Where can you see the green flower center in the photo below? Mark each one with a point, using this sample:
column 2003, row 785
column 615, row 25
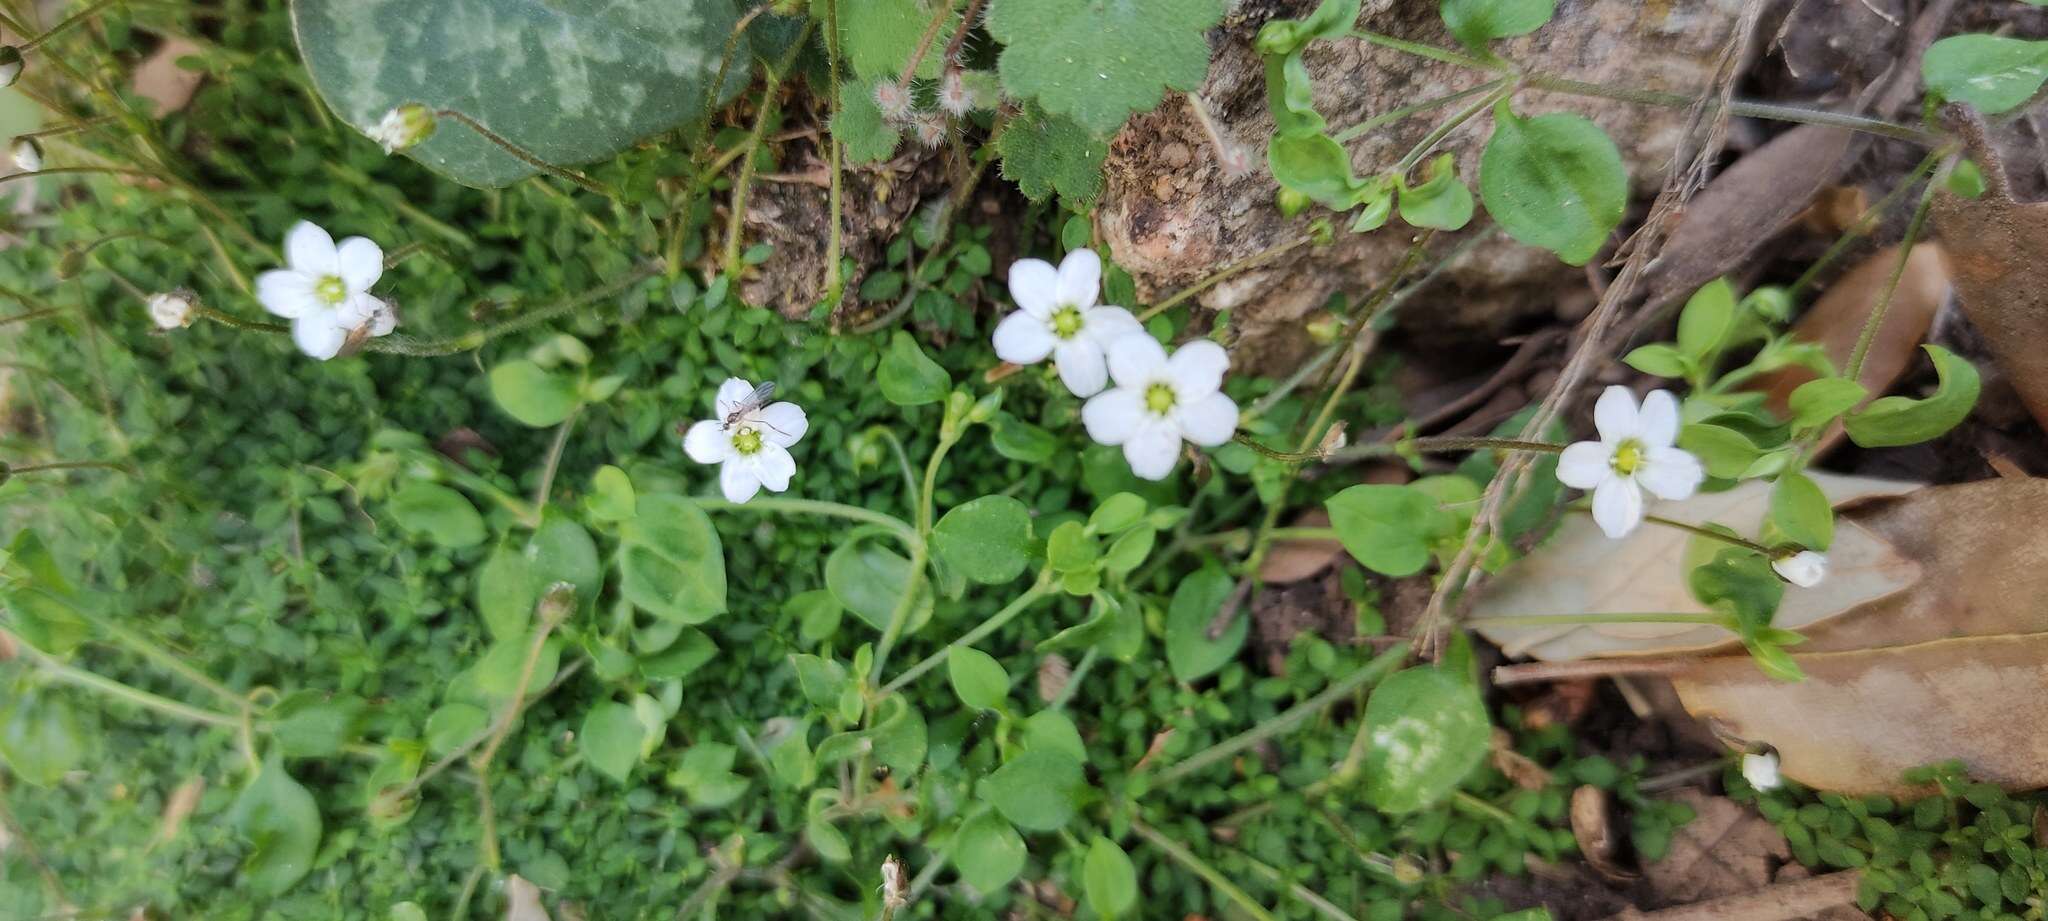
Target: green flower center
column 1159, row 398
column 1066, row 322
column 331, row 289
column 747, row 441
column 1628, row 457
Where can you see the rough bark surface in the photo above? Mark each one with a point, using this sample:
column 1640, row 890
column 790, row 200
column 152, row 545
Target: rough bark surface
column 1171, row 215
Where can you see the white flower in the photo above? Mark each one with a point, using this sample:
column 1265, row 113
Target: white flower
column 1634, row 453
column 403, row 127
column 1805, row 569
column 1762, row 771
column 172, row 310
column 1157, row 401
column 326, row 290
column 750, row 443
column 1057, row 316
column 954, row 96
column 28, row 155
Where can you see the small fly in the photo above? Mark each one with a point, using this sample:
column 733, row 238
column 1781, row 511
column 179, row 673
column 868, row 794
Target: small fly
column 750, row 403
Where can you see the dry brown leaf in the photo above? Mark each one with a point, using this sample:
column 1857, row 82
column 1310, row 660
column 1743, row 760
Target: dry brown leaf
column 161, row 80
column 1998, row 249
column 1863, row 718
column 1519, row 769
column 1053, row 674
column 1594, row 831
column 1725, row 849
column 522, row 900
column 1835, row 209
column 1294, row 560
column 1579, row 570
column 178, row 807
column 1836, row 320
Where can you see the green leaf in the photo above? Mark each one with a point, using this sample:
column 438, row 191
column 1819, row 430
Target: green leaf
column 869, row 580
column 1108, row 878
column 1099, row 62
column 671, row 563
column 1036, row 790
column 42, row 738
column 1441, row 202
column 611, row 495
column 1117, row 513
column 440, row 513
column 1658, row 359
column 566, row 82
column 1045, row 153
column 1021, row 441
column 505, row 593
column 282, row 825
column 977, row 678
column 1739, row 582
column 1554, row 181
column 1708, row 316
column 43, row 605
column 496, row 675
column 1052, row 730
column 817, row 614
column 828, row 841
column 988, row 853
column 1069, row 549
column 1894, row 421
column 452, row 725
column 610, row 739
column 1817, row 402
column 681, row 659
column 1476, row 22
column 1314, row 165
column 1190, row 653
column 1723, row 451
column 1130, row 550
column 315, row 724
column 1992, row 73
column 988, row 540
column 907, row 377
column 859, row 125
column 821, row 679
column 1801, row 511
column 1388, row 528
column 535, row 397
column 1426, row 729
column 879, row 36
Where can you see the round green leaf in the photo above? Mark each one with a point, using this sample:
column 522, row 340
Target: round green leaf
column 671, row 563
column 1476, row 22
column 907, row 376
column 610, row 739
column 1190, row 653
column 282, row 825
column 611, row 495
column 1801, row 511
column 1441, row 201
column 988, row 853
column 1036, row 790
column 1993, row 73
column 1554, row 181
column 1108, row 878
column 1819, row 401
column 440, row 513
column 868, row 579
column 42, row 738
column 531, row 395
column 1426, row 729
column 1388, row 528
column 979, row 680
column 987, row 540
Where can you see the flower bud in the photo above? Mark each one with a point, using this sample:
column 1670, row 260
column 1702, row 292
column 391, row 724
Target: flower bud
column 930, row 128
column 894, row 100
column 1291, row 202
column 1762, row 771
column 954, row 96
column 1805, row 569
column 403, row 127
column 557, row 604
column 71, row 262
column 28, row 155
column 986, row 407
column 171, row 310
column 10, row 65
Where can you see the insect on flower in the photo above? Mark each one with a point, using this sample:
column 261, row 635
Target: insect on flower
column 748, row 438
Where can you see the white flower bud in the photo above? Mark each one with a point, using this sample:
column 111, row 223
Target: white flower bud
column 10, row 65
column 931, row 129
column 171, row 310
column 1805, row 569
column 954, row 96
column 403, row 127
column 1762, row 771
column 28, row 155
column 893, row 99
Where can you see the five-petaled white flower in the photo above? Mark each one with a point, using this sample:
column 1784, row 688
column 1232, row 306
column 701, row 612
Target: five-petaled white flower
column 171, row 310
column 1057, row 316
column 749, row 442
column 1634, row 453
column 1805, row 569
column 1157, row 401
column 1762, row 771
column 325, row 292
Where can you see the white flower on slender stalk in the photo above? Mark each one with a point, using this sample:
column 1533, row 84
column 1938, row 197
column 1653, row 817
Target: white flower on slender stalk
column 1057, row 316
column 171, row 310
column 325, row 291
column 1635, row 452
column 403, row 127
column 750, row 442
column 1805, row 569
column 28, row 155
column 1159, row 401
column 1762, row 771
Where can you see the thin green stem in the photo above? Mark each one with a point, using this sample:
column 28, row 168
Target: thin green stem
column 1546, row 620
column 1304, row 533
column 69, row 127
column 1442, row 444
column 1223, row 274
column 66, row 23
column 1708, row 533
column 736, row 218
column 1201, row 868
column 1738, row 107
column 523, row 155
column 554, row 459
column 1017, row 605
column 80, row 677
column 1309, row 897
column 771, row 504
column 149, row 649
column 1370, row 673
column 835, row 281
column 1389, row 117
column 913, row 583
column 66, row 465
column 1869, row 219
column 30, row 316
column 475, row 339
column 1428, row 51
column 1074, row 678
column 1502, row 90
column 1891, row 283
column 230, row 320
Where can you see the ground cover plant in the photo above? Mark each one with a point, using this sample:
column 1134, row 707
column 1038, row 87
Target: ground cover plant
column 423, row 496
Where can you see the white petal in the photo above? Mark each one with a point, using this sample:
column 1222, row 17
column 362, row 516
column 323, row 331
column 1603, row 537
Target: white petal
column 1617, row 506
column 1805, row 569
column 1080, row 279
column 1135, row 361
column 1762, row 771
column 309, row 249
column 361, row 263
column 1108, row 324
column 1197, row 368
column 287, row 293
column 1615, row 415
column 1584, row 464
column 1153, row 449
column 783, row 424
column 1112, row 417
column 1035, row 286
column 1208, row 421
column 1657, row 423
column 1669, row 473
column 1081, row 366
column 318, row 335
column 706, row 442
column 729, row 396
column 358, row 310
column 737, row 480
column 1024, row 339
column 773, row 467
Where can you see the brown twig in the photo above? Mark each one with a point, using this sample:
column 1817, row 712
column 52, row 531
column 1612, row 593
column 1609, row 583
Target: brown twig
column 1776, row 902
column 1543, row 672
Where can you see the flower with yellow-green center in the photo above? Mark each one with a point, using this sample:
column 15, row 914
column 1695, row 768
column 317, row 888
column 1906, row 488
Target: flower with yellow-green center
column 325, row 290
column 749, row 443
column 1160, row 401
column 1636, row 452
column 1057, row 316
